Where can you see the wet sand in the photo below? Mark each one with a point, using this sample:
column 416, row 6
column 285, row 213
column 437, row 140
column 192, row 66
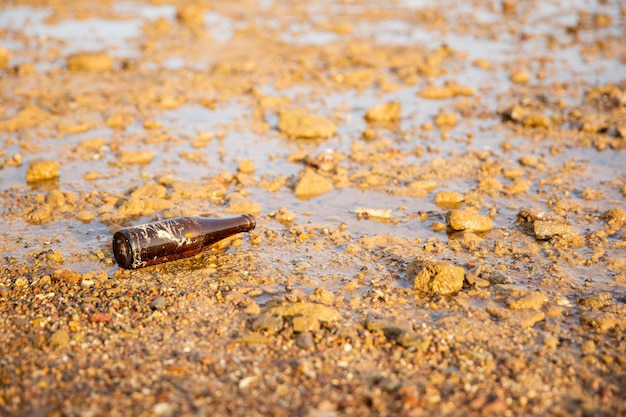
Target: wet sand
column 438, row 188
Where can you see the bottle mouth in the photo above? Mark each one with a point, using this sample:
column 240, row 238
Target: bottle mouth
column 251, row 221
column 122, row 250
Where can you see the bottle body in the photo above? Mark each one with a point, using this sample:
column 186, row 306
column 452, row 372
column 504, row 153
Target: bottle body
column 163, row 241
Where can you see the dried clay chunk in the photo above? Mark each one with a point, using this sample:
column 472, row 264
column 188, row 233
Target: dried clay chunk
column 435, row 277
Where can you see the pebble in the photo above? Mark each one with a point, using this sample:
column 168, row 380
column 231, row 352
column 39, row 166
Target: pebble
column 533, row 301
column 446, row 120
column 597, row 301
column 435, row 277
column 468, row 219
column 298, row 124
column 272, row 323
column 42, row 170
column 5, row 57
column 305, row 341
column 136, row 157
column 386, row 112
column 449, row 199
column 90, row 62
column 59, row 338
column 312, row 184
column 246, row 166
column 158, row 303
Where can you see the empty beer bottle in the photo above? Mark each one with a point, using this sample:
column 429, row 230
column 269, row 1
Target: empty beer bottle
column 163, row 241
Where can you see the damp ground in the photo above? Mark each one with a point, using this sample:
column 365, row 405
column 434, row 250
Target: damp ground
column 439, row 192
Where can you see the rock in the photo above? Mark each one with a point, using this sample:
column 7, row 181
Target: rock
column 158, row 303
column 246, row 166
column 98, row 62
column 40, row 215
column 469, row 220
column 597, row 301
column 547, row 226
column 306, row 316
column 548, row 229
column 525, row 318
column 615, row 219
column 366, row 212
column 300, row 124
column 191, row 15
column 306, row 323
column 119, row 121
column 305, row 341
column 532, row 301
column 59, row 338
column 136, row 157
column 271, row 322
column 449, row 199
column 42, row 170
column 449, row 90
column 29, row 116
column 386, row 112
column 86, row 216
column 238, row 204
column 446, row 120
column 66, row 275
column 519, row 77
column 435, row 277
column 5, row 57
column 601, row 321
column 285, row 216
column 312, row 184
column 400, row 332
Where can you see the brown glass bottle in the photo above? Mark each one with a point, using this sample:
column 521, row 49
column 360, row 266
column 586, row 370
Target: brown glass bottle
column 163, row 241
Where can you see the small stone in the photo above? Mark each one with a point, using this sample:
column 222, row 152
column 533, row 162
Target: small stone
column 59, row 338
column 311, row 310
column 386, row 112
column 86, row 216
column 246, row 166
column 299, row 124
column 136, row 157
column 519, row 77
column 42, row 170
column 601, row 320
column 529, row 160
column 435, row 277
column 306, row 323
column 41, row 214
column 533, row 301
column 449, row 199
column 324, row 296
column 100, row 317
column 469, row 220
column 119, row 121
column 305, row 341
column 446, row 120
column 98, row 62
column 285, row 216
column 158, row 303
column 548, row 229
column 312, row 184
column 269, row 322
column 65, row 275
column 5, row 57
column 597, row 301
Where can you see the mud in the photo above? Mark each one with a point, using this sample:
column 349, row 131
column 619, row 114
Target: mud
column 439, row 191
